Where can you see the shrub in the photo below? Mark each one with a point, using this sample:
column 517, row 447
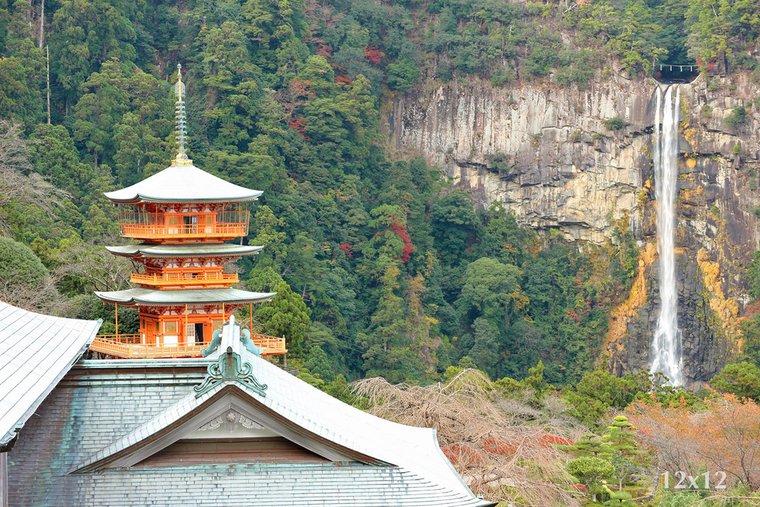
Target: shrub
column 542, row 59
column 616, row 123
column 444, row 71
column 501, row 77
column 24, row 280
column 754, row 273
column 576, row 67
column 591, row 471
column 736, row 118
column 402, row 75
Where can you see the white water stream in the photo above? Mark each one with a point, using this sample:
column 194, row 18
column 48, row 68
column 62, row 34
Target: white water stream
column 666, row 343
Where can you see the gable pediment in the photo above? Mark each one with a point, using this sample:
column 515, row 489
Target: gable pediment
column 231, row 425
column 226, row 414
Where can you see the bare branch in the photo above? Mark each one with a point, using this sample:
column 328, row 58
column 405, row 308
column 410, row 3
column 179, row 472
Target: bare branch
column 500, row 446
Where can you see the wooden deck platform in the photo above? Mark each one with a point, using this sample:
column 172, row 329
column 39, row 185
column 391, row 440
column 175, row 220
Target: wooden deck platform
column 130, row 346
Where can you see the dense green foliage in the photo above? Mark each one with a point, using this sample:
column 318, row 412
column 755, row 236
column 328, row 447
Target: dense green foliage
column 591, row 471
column 600, row 392
column 746, row 372
column 379, row 268
column 741, row 379
column 753, row 276
column 507, row 41
column 21, row 272
column 19, row 264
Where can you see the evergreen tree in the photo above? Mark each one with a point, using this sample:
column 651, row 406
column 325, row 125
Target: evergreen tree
column 286, row 315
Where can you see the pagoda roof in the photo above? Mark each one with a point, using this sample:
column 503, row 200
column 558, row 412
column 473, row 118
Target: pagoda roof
column 218, row 249
column 151, row 297
column 36, row 351
column 183, row 183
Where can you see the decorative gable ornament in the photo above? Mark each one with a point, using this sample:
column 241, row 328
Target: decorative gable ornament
column 229, row 368
column 229, row 421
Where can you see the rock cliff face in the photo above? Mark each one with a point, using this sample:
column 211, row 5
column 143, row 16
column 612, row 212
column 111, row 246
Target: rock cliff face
column 552, row 157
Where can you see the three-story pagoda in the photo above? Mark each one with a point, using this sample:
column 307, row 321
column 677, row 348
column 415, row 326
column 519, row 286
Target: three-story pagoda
column 182, row 216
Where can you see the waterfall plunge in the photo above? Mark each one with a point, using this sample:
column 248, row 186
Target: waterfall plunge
column 666, row 343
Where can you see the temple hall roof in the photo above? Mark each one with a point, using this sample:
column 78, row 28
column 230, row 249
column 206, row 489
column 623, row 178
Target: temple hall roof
column 105, row 437
column 36, row 351
column 183, row 183
column 153, row 297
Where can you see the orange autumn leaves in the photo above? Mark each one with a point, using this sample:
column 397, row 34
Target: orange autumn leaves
column 724, row 435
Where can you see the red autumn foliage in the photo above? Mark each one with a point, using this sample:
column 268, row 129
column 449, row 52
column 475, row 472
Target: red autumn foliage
column 324, row 50
column 710, row 66
column 373, row 55
column 346, row 249
column 403, row 235
column 299, row 125
column 495, row 446
column 571, row 313
column 300, row 87
column 549, row 440
column 343, row 80
column 752, row 309
column 463, row 455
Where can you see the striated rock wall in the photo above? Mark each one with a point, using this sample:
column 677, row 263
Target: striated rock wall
column 549, row 156
column 541, row 151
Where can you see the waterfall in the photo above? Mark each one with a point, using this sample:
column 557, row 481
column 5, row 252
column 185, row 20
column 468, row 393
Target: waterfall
column 666, row 343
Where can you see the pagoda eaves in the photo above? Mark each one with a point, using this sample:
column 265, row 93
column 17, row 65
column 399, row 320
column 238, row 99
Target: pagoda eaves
column 150, row 297
column 183, row 184
column 178, row 251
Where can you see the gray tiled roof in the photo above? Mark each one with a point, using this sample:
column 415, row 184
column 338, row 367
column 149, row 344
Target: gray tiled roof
column 100, row 402
column 36, row 351
column 260, row 485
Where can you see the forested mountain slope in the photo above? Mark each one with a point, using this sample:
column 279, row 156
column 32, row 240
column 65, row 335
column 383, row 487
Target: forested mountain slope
column 381, row 267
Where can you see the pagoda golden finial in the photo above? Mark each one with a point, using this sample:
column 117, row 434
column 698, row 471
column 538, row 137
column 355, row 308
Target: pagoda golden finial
column 179, row 89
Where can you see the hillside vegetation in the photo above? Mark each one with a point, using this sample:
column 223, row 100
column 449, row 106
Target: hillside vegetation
column 380, row 268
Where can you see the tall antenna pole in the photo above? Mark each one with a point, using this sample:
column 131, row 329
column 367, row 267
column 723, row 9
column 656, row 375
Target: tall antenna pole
column 47, row 80
column 181, row 130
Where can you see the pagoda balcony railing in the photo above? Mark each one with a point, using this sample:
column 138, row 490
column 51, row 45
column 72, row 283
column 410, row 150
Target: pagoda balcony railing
column 271, row 345
column 131, row 346
column 184, row 279
column 220, row 231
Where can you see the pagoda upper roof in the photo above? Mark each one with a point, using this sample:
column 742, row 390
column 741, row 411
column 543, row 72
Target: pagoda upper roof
column 219, row 249
column 183, row 183
column 150, row 297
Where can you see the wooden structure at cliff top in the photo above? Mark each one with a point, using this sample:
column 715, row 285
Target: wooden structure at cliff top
column 675, row 73
column 182, row 216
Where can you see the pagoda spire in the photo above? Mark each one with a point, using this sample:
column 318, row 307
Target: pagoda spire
column 179, row 89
